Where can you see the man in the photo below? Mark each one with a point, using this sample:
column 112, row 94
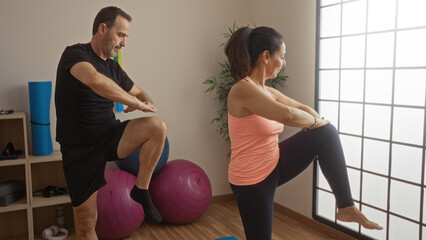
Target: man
column 87, row 84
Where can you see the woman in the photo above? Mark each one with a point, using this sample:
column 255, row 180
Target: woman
column 256, row 114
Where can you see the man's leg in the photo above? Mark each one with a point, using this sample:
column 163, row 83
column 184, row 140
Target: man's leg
column 85, row 217
column 149, row 134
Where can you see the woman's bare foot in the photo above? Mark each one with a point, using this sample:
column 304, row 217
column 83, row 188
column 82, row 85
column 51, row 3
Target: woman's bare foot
column 352, row 214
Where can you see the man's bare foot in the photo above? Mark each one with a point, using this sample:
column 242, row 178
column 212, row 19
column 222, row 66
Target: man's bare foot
column 352, row 214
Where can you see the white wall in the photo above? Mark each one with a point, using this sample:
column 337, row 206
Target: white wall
column 173, row 46
column 296, row 21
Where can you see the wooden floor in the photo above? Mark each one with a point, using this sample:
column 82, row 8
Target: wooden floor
column 222, row 220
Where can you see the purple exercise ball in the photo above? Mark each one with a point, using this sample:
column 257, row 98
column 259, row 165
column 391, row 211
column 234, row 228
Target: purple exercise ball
column 118, row 214
column 181, row 192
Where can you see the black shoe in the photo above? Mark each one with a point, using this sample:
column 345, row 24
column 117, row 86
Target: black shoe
column 9, row 152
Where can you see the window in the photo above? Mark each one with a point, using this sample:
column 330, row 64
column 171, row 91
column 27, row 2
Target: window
column 371, row 84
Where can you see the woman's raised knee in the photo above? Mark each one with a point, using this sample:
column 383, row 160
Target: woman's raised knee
column 330, row 130
column 331, row 127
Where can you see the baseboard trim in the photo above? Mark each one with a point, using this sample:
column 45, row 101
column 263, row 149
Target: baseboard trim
column 222, row 198
column 309, row 222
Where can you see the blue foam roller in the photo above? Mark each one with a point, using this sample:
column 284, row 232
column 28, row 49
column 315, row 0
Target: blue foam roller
column 228, row 238
column 40, row 96
column 41, row 139
column 40, row 93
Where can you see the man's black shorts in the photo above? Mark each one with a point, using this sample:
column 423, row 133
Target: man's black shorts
column 84, row 166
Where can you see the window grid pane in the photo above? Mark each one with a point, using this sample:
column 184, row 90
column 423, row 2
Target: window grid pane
column 381, row 99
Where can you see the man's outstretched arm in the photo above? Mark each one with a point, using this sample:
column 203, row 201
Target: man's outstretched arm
column 106, row 87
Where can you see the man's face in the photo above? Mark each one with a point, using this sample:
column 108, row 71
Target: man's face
column 115, row 37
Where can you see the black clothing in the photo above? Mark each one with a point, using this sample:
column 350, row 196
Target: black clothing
column 84, row 166
column 256, row 202
column 86, row 129
column 84, row 117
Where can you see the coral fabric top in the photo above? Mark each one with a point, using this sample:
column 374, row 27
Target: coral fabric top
column 254, row 148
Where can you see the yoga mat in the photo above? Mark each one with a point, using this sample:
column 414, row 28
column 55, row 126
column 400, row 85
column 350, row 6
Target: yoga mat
column 228, row 238
column 40, row 101
column 41, row 140
column 40, row 96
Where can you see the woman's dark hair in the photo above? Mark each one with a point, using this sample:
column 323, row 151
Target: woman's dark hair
column 245, row 46
column 108, row 15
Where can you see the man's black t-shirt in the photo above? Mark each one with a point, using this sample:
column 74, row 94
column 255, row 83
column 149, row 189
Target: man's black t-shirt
column 84, row 117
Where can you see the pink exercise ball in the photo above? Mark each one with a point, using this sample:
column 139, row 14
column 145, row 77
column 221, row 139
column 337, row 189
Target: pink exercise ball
column 118, row 214
column 181, row 192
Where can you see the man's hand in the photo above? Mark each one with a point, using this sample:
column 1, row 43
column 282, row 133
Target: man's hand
column 149, row 107
column 143, row 106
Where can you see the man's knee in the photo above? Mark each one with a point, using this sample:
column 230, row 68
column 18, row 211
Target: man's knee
column 159, row 126
column 86, row 224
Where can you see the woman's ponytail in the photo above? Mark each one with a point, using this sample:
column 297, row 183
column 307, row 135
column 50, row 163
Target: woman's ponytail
column 237, row 51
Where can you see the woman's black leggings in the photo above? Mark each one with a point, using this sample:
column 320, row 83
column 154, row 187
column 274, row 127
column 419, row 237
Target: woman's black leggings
column 256, row 202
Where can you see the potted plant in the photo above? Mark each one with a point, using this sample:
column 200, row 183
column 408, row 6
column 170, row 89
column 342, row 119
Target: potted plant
column 223, row 83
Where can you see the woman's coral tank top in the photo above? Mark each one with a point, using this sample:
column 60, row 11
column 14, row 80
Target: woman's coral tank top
column 254, row 148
